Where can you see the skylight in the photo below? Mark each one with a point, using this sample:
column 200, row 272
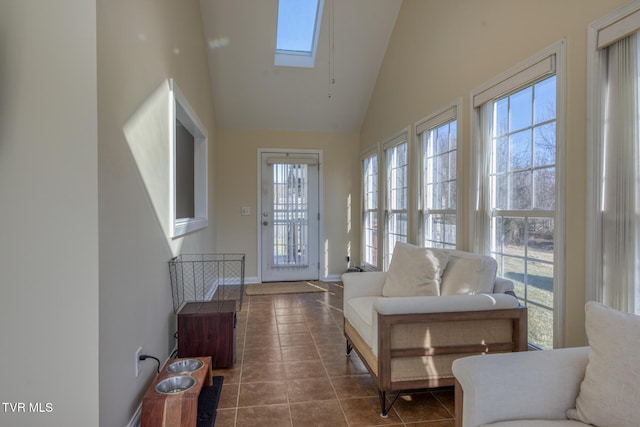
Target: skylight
column 297, row 34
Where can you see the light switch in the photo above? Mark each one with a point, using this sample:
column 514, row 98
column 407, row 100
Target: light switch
column 246, row 211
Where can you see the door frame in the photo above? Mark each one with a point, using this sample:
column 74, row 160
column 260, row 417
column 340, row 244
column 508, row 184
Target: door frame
column 322, row 273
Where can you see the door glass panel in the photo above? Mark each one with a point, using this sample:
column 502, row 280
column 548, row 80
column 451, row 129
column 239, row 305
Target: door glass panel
column 290, row 215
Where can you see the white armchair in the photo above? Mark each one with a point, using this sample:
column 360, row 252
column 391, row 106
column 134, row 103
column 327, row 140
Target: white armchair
column 539, row 386
column 409, row 342
column 597, row 385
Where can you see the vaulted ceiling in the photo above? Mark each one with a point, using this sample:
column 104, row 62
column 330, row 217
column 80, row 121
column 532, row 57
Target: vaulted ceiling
column 250, row 92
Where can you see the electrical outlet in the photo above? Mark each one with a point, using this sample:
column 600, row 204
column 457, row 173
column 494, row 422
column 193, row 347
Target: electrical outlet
column 138, row 361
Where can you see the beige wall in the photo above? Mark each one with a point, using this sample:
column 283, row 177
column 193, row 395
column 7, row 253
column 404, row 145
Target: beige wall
column 237, row 172
column 48, row 213
column 140, row 44
column 444, row 49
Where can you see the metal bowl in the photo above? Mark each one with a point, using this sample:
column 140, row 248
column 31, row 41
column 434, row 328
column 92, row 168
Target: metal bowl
column 184, row 366
column 177, row 384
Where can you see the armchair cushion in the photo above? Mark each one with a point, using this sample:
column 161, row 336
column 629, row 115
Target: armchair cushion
column 533, row 385
column 414, row 271
column 468, row 273
column 609, row 392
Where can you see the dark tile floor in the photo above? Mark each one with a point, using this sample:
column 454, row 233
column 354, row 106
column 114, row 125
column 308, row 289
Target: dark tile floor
column 291, row 370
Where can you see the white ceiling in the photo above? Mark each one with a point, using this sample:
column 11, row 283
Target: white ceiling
column 250, row 92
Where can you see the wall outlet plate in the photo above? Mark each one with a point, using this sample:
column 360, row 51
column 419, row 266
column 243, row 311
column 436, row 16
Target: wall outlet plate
column 138, row 361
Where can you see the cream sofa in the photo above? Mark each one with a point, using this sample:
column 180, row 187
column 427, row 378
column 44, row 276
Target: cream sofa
column 597, row 385
column 410, row 342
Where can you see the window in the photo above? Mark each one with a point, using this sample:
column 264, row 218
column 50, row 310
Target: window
column 522, row 188
column 613, row 244
column 297, row 32
column 396, row 191
column 185, row 196
column 188, row 180
column 438, row 135
column 370, row 211
column 518, row 182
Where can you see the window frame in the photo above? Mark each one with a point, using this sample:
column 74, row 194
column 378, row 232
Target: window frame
column 180, row 111
column 401, row 137
column 444, row 115
column 372, row 153
column 526, row 72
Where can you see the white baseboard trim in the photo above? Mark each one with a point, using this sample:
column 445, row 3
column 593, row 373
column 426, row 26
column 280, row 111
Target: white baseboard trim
column 173, row 351
column 136, row 420
column 332, row 278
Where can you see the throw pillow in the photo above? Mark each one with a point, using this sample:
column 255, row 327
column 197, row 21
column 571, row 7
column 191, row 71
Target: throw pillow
column 610, row 392
column 414, row 271
column 468, row 274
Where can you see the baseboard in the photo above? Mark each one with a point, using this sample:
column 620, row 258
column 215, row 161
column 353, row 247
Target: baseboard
column 136, row 420
column 173, row 351
column 332, row 278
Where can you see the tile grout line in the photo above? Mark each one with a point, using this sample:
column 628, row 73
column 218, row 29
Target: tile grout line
column 328, row 307
column 324, row 366
column 342, row 328
column 286, row 383
column 310, row 309
column 244, row 347
column 443, row 405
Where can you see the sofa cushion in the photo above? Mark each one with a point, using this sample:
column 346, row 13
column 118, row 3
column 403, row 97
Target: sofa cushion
column 610, row 393
column 444, row 304
column 414, row 271
column 468, row 273
column 359, row 312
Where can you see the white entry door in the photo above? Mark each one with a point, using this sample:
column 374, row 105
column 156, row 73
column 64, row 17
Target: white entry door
column 290, row 216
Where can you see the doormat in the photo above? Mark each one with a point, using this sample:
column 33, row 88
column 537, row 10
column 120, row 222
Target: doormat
column 208, row 402
column 277, row 288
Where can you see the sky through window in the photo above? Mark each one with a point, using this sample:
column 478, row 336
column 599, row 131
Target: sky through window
column 297, row 32
column 296, row 25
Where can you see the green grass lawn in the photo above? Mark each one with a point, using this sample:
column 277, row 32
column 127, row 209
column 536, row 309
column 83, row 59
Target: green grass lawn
column 538, row 293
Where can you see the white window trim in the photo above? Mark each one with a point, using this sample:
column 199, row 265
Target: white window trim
column 600, row 34
column 478, row 202
column 180, row 110
column 444, row 114
column 371, row 152
column 396, row 139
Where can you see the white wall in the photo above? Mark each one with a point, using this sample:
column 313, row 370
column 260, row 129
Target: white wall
column 141, row 44
column 48, row 213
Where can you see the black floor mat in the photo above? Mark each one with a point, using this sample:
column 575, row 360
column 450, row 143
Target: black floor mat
column 208, row 403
